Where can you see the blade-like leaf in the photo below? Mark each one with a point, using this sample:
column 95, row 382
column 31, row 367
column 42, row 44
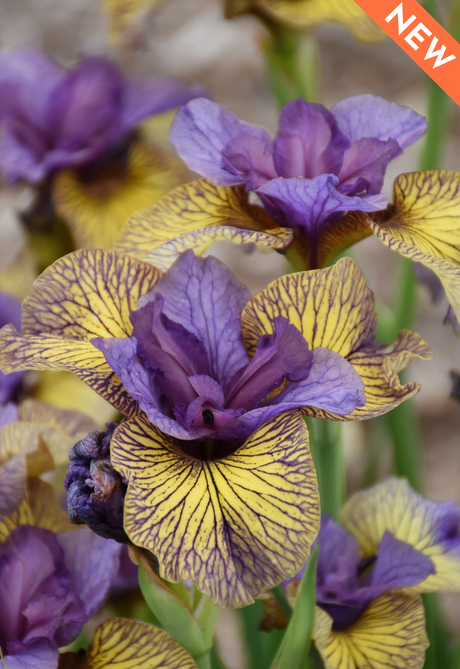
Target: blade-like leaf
column 294, row 650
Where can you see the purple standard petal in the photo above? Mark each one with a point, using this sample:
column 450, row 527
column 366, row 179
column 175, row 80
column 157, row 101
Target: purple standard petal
column 154, row 96
column 399, row 565
column 85, row 108
column 279, row 356
column 93, row 563
column 203, row 296
column 309, row 203
column 309, row 142
column 36, row 595
column 27, row 79
column 365, row 164
column 215, row 143
column 371, row 116
column 338, row 552
column 167, row 348
column 143, row 386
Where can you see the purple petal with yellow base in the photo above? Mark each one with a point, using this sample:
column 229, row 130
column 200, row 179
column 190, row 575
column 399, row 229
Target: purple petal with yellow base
column 236, row 525
column 431, row 528
column 87, row 294
column 10, row 312
column 334, row 308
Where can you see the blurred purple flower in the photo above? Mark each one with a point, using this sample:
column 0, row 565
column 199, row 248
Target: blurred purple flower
column 320, row 165
column 50, row 584
column 10, row 312
column 52, row 118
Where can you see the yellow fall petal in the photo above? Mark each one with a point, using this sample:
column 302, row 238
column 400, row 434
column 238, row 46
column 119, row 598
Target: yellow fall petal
column 309, row 13
column 87, row 294
column 334, row 308
column 390, row 634
column 96, row 210
column 120, row 643
column 65, row 391
column 394, row 506
column 424, row 225
column 235, row 526
column 190, row 208
column 40, row 508
column 164, row 255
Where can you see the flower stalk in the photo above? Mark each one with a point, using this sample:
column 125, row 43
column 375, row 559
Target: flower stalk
column 326, row 447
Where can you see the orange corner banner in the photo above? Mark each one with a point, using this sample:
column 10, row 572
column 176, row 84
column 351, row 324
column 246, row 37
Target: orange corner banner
column 421, row 37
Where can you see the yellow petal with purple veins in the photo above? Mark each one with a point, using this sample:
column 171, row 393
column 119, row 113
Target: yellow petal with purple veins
column 165, row 254
column 189, row 208
column 120, row 643
column 334, row 308
column 96, row 210
column 21, row 516
column 429, row 527
column 310, row 13
column 236, row 526
column 87, row 294
column 390, row 634
column 24, row 438
column 424, row 225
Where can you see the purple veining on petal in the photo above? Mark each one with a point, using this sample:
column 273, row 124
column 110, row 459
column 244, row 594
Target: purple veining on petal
column 51, row 118
column 365, row 164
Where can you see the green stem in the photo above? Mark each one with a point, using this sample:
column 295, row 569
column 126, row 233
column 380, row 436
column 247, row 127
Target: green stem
column 437, row 654
column 402, row 426
column 326, row 448
column 203, row 661
column 292, row 63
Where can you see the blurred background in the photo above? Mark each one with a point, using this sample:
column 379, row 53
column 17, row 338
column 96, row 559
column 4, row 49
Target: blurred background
column 193, row 41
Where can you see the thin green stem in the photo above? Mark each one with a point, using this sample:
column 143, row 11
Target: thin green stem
column 326, row 448
column 403, row 428
column 203, row 661
column 437, row 654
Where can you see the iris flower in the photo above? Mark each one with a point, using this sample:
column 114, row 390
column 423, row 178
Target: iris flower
column 393, row 545
column 221, row 486
column 76, row 127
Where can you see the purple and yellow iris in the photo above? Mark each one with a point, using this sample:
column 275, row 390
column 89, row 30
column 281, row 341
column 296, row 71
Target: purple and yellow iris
column 392, row 545
column 221, row 484
column 319, row 182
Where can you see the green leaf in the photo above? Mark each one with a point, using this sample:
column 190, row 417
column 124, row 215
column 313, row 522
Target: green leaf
column 293, row 653
column 173, row 614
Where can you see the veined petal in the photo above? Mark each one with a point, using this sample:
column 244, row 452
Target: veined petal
column 87, row 294
column 190, row 208
column 310, row 13
column 163, row 256
column 12, row 484
column 95, row 211
column 21, row 516
column 334, row 308
column 431, row 528
column 24, row 438
column 235, row 526
column 423, row 225
column 338, row 236
column 120, row 643
column 390, row 633
column 43, row 352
